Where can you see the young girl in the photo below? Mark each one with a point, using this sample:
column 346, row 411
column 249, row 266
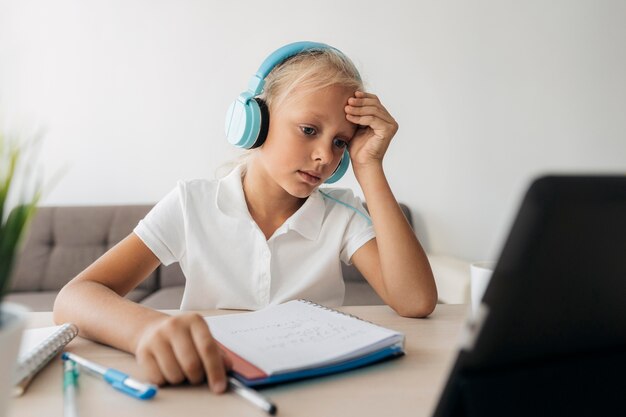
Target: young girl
column 265, row 233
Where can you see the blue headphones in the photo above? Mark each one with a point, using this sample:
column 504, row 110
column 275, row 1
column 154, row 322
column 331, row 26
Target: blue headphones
column 247, row 120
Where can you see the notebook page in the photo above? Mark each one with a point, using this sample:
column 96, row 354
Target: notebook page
column 297, row 335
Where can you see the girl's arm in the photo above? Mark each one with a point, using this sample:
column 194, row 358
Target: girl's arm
column 168, row 348
column 394, row 263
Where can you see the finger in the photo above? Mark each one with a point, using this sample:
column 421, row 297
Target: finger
column 167, row 363
column 365, row 102
column 362, row 94
column 359, row 110
column 210, row 355
column 150, row 368
column 188, row 358
column 353, row 101
column 369, row 110
column 373, row 122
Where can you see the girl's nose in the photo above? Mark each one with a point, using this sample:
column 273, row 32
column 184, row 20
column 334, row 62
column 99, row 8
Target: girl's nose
column 323, row 152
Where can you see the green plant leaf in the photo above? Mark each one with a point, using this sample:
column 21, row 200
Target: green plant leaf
column 13, row 227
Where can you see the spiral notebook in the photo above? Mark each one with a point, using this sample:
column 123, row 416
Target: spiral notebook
column 37, row 348
column 300, row 339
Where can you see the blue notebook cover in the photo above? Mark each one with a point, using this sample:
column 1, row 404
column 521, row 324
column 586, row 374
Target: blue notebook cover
column 390, row 352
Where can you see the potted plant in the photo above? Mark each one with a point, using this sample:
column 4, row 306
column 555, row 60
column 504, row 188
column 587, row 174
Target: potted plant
column 18, row 201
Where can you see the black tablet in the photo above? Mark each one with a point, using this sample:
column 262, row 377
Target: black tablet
column 550, row 335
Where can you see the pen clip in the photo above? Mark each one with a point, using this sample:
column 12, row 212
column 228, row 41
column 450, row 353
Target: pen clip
column 121, row 382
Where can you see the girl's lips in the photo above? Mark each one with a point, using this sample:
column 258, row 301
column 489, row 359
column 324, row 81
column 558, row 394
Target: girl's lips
column 309, row 178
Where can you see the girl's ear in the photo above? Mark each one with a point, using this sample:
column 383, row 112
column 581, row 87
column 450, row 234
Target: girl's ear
column 265, row 123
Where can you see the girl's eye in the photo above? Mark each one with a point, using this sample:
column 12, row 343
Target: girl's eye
column 339, row 143
column 307, row 130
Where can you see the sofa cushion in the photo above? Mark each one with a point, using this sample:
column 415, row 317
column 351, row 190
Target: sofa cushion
column 171, row 276
column 168, row 298
column 63, row 241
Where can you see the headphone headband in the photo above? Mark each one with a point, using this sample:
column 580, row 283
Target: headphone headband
column 257, row 82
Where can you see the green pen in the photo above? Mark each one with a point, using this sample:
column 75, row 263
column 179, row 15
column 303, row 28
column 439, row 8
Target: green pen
column 70, row 384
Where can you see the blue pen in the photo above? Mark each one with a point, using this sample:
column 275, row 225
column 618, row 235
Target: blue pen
column 117, row 379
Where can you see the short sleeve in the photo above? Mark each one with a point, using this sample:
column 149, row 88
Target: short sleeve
column 163, row 228
column 359, row 229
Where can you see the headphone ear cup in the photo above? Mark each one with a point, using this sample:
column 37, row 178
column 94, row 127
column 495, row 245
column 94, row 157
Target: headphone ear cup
column 265, row 123
column 341, row 168
column 243, row 122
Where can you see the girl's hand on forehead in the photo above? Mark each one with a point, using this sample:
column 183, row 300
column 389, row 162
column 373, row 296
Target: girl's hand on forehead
column 376, row 128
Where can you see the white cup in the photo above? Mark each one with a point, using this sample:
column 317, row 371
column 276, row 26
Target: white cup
column 480, row 274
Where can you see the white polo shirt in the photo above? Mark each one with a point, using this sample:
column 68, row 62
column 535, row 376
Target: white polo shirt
column 206, row 226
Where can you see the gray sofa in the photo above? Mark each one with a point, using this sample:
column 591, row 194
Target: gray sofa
column 62, row 241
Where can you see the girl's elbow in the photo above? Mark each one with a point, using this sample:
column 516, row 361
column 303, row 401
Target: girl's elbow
column 59, row 309
column 417, row 308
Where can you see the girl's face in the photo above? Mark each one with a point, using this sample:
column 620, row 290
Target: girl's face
column 307, row 136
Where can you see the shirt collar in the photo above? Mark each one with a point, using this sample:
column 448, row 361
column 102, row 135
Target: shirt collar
column 308, row 219
column 229, row 197
column 231, row 201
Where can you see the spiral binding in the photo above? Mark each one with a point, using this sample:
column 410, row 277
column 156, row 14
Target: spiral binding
column 323, row 307
column 37, row 358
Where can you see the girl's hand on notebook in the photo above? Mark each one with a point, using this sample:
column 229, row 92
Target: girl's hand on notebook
column 179, row 348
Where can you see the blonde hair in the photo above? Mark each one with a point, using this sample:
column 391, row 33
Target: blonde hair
column 308, row 71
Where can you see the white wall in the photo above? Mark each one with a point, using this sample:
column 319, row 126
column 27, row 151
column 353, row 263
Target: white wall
column 488, row 94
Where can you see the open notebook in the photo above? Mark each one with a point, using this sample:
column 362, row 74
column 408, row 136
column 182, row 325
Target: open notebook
column 300, row 339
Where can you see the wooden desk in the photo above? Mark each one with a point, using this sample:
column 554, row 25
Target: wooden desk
column 408, row 386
